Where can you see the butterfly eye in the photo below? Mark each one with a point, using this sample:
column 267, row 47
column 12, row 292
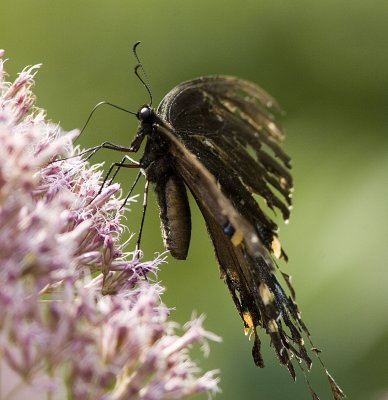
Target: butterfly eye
column 145, row 114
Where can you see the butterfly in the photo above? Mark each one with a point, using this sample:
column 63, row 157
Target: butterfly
column 219, row 138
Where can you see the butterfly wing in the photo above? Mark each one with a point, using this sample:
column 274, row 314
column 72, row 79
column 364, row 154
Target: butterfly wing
column 244, row 261
column 226, row 146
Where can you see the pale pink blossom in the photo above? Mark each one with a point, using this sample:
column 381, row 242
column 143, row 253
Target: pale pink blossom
column 76, row 313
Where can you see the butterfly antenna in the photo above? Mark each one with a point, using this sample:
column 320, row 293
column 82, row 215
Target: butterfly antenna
column 145, row 81
column 102, row 103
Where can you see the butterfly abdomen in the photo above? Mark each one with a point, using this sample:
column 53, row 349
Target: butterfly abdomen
column 174, row 212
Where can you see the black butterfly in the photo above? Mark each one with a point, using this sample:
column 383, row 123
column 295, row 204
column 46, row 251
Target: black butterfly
column 218, row 137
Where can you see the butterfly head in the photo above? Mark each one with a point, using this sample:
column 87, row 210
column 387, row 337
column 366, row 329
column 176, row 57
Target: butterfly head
column 145, row 114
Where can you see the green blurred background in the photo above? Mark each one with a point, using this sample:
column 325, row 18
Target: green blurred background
column 327, row 64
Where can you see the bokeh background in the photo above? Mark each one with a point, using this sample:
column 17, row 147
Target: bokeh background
column 327, row 64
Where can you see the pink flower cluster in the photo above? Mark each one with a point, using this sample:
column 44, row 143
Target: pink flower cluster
column 76, row 314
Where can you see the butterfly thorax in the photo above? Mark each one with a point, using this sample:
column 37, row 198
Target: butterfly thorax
column 156, row 159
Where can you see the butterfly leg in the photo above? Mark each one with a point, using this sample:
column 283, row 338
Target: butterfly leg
column 131, row 189
column 122, row 164
column 133, row 148
column 131, row 164
column 105, row 145
column 93, row 150
column 145, row 197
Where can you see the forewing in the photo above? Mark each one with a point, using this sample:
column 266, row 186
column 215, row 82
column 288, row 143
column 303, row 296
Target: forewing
column 229, row 124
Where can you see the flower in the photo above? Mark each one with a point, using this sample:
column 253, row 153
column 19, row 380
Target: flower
column 76, row 313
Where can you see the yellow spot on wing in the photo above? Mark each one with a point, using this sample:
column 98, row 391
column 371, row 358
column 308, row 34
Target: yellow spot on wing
column 266, row 295
column 237, row 238
column 276, row 247
column 248, row 322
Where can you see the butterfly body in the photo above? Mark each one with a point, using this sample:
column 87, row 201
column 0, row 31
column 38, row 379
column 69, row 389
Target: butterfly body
column 159, row 167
